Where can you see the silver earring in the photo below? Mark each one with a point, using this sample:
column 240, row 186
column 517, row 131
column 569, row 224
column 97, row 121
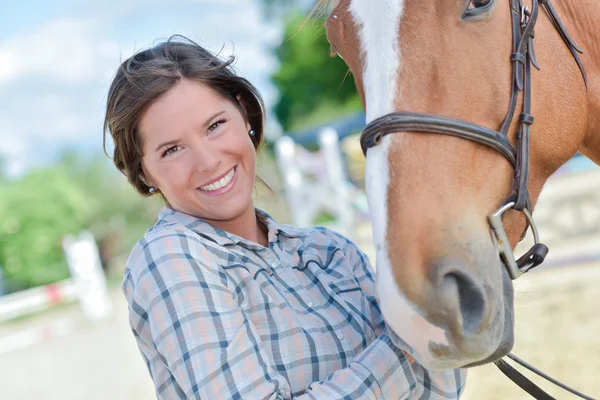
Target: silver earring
column 251, row 132
column 152, row 189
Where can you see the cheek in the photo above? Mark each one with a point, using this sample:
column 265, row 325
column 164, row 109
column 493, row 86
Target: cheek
column 239, row 145
column 176, row 174
column 154, row 173
column 250, row 156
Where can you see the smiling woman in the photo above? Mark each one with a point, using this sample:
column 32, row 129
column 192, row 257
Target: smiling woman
column 223, row 301
column 198, row 151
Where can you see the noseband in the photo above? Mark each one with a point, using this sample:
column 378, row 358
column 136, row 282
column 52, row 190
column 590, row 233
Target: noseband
column 522, row 60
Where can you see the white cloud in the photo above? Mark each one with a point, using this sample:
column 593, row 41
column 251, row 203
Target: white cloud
column 54, row 78
column 57, row 116
column 67, row 50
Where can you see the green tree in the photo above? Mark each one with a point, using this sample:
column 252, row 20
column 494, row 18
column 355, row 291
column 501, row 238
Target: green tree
column 313, row 86
column 76, row 194
column 115, row 213
column 35, row 212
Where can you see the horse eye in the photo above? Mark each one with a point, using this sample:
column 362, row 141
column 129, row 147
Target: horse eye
column 479, row 3
column 476, row 7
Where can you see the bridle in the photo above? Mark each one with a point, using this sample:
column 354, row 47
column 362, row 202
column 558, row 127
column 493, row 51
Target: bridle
column 522, row 59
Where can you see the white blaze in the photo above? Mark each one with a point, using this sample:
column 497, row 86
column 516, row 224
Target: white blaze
column 379, row 24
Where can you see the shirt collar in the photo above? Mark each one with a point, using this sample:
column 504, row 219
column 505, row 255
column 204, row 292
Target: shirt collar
column 168, row 216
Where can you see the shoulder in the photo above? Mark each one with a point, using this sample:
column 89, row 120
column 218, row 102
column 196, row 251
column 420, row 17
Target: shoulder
column 341, row 242
column 171, row 255
column 314, row 234
column 330, row 244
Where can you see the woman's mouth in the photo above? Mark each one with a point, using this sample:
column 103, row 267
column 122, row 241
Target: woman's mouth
column 222, row 185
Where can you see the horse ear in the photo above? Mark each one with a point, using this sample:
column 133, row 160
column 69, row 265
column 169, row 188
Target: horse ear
column 332, row 51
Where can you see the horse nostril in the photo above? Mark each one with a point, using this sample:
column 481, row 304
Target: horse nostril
column 471, row 299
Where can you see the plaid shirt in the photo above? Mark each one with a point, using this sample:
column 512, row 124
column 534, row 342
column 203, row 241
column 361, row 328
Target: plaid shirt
column 216, row 316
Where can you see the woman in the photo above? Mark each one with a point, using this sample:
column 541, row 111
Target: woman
column 223, row 301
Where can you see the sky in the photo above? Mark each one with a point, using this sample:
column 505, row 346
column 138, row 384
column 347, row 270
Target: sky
column 57, row 59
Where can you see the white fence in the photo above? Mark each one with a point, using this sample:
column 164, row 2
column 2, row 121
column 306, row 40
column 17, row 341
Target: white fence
column 316, row 182
column 86, row 285
column 36, row 299
column 568, row 218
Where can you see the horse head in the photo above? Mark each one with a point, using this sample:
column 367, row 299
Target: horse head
column 441, row 282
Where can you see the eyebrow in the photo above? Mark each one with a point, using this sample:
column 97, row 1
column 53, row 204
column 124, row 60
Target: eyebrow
column 204, row 125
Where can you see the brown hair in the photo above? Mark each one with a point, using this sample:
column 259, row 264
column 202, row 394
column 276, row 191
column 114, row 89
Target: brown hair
column 147, row 75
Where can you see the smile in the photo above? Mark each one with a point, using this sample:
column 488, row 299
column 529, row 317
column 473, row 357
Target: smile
column 219, row 184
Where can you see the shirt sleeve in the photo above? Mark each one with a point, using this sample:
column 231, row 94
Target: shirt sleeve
column 438, row 385
column 198, row 343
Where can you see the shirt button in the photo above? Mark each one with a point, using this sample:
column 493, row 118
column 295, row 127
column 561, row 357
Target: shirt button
column 310, row 304
column 340, row 336
column 284, row 264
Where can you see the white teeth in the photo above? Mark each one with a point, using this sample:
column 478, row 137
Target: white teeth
column 224, row 181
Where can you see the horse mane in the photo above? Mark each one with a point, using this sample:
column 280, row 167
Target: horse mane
column 322, row 7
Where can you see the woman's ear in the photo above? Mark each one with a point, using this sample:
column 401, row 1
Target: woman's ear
column 143, row 176
column 240, row 101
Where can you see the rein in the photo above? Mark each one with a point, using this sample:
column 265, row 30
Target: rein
column 522, row 60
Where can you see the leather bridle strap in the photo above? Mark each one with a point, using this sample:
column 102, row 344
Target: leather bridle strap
column 523, row 57
column 522, row 381
column 560, row 27
column 428, row 123
column 530, row 387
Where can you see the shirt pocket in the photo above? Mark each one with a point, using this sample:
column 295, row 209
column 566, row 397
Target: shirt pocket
column 348, row 292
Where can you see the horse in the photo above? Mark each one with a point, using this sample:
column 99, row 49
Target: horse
column 486, row 99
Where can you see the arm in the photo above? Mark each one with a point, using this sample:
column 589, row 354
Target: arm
column 447, row 384
column 195, row 338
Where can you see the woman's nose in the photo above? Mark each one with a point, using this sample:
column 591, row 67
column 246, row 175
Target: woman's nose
column 206, row 159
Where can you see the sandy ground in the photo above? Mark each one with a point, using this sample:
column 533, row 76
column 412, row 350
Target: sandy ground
column 558, row 331
column 96, row 361
column 558, row 328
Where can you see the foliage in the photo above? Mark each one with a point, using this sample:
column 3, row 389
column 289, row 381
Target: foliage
column 37, row 210
column 308, row 78
column 35, row 213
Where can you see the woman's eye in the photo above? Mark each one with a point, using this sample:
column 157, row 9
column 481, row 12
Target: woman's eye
column 171, row 150
column 216, row 125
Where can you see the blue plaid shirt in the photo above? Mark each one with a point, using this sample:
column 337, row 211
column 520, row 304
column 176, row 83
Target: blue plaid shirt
column 216, row 316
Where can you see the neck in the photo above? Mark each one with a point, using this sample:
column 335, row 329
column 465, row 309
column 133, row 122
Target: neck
column 581, row 18
column 245, row 225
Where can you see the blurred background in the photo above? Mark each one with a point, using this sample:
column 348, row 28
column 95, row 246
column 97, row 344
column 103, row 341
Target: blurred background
column 68, row 219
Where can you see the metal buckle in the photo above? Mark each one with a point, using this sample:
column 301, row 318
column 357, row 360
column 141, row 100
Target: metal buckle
column 524, row 15
column 506, row 253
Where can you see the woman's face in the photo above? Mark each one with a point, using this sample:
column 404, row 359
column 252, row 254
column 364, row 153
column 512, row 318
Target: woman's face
column 198, row 153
